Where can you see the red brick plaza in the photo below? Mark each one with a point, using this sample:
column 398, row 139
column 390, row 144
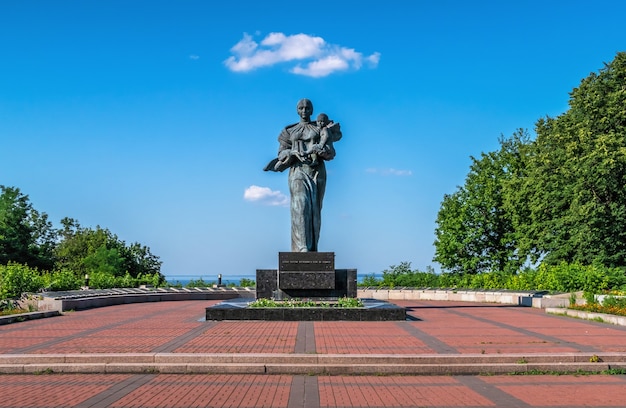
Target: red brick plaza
column 268, row 373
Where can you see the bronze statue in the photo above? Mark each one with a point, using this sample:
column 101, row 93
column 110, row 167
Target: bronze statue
column 303, row 148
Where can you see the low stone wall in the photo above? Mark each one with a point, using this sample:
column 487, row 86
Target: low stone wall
column 87, row 299
column 562, row 300
column 531, row 298
column 53, row 303
column 27, row 316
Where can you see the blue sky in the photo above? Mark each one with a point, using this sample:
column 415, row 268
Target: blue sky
column 154, row 119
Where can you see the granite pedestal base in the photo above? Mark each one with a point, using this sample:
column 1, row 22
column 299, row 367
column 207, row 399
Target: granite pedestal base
column 268, row 286
column 373, row 310
column 306, row 275
column 310, row 276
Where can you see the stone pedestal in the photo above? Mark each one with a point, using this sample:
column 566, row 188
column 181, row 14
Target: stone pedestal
column 310, row 275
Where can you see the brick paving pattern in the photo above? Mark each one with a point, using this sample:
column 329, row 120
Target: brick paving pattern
column 251, row 337
column 558, row 391
column 213, row 391
column 358, row 338
column 453, row 328
column 397, row 391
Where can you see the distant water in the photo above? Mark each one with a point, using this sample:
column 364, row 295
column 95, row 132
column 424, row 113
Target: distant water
column 210, row 280
column 228, row 279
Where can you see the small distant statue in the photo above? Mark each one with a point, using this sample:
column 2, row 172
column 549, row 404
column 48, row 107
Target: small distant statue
column 303, row 148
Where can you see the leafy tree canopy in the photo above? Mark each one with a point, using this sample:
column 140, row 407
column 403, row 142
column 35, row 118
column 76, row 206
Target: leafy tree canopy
column 577, row 174
column 559, row 198
column 86, row 250
column 475, row 229
column 26, row 235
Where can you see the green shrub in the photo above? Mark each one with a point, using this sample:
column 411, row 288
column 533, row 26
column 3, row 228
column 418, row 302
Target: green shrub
column 126, row 281
column 175, row 284
column 198, row 283
column 347, row 302
column 16, row 279
column 402, row 276
column 572, row 299
column 8, row 305
column 62, row 280
column 525, row 280
column 264, row 302
column 155, row 279
column 102, row 280
column 590, row 298
column 369, row 281
column 452, row 280
column 247, row 283
column 612, row 301
column 554, row 278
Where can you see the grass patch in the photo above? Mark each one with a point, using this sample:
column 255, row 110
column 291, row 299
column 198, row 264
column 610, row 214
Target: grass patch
column 9, row 312
column 610, row 371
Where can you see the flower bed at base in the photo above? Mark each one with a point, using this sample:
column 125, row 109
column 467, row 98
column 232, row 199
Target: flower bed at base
column 598, row 308
column 610, row 303
column 606, row 308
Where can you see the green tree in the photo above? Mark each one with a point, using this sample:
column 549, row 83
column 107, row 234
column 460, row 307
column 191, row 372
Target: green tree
column 475, row 228
column 84, row 250
column 104, row 260
column 139, row 261
column 577, row 173
column 26, row 235
column 89, row 251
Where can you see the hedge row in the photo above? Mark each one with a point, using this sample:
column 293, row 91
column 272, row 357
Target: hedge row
column 554, row 278
column 16, row 279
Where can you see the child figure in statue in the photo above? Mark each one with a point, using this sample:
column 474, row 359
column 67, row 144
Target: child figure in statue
column 328, row 130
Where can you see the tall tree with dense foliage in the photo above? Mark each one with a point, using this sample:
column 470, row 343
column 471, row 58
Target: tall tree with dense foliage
column 577, row 175
column 89, row 251
column 26, row 235
column 559, row 198
column 475, row 230
column 34, row 255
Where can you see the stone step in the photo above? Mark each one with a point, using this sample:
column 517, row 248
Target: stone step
column 311, row 363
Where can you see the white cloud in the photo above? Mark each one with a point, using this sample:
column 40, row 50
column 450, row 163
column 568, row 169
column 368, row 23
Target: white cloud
column 313, row 56
column 194, row 57
column 265, row 195
column 390, row 172
column 246, row 46
column 322, row 67
column 373, row 59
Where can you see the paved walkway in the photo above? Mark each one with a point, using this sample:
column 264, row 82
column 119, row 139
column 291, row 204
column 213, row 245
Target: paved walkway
column 220, row 359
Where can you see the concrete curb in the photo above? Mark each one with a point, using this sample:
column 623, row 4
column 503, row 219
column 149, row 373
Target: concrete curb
column 601, row 317
column 27, row 316
column 311, row 364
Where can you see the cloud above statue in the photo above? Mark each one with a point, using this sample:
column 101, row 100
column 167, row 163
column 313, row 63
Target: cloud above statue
column 305, row 54
column 265, row 195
